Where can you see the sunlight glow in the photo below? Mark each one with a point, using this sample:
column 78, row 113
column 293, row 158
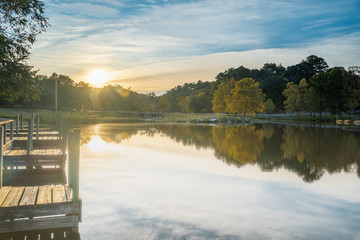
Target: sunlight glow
column 98, row 78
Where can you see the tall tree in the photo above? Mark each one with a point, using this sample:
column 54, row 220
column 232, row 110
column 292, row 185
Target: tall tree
column 218, row 102
column 291, row 93
column 246, row 97
column 306, row 69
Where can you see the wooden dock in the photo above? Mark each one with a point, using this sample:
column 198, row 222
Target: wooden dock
column 32, row 202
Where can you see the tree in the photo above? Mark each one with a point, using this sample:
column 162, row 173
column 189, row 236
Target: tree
column 306, row 69
column 20, row 22
column 246, row 97
column 269, row 106
column 17, row 83
column 218, row 102
column 291, row 93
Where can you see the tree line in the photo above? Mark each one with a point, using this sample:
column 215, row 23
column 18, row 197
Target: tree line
column 309, row 86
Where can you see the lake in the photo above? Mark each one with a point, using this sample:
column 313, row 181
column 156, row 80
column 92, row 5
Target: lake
column 179, row 181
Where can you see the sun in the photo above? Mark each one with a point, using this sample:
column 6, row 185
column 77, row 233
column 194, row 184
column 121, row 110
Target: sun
column 98, row 78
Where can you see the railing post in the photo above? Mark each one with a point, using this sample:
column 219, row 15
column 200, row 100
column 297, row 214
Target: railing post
column 11, row 130
column 21, row 122
column 29, row 146
column 74, row 158
column 17, row 123
column 1, row 155
column 64, row 137
column 4, row 137
column 37, row 127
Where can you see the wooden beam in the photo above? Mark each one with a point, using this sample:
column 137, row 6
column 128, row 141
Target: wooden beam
column 39, row 224
column 74, row 158
column 41, row 210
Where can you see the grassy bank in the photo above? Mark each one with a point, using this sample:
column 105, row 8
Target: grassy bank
column 73, row 117
column 78, row 117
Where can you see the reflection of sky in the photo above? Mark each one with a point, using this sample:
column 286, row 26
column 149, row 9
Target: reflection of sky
column 154, row 188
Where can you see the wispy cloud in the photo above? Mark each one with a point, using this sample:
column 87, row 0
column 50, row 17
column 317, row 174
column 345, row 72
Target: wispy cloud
column 122, row 35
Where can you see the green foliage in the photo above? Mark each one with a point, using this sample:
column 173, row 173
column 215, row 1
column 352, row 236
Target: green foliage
column 191, row 97
column 17, row 83
column 218, row 102
column 291, row 93
column 20, row 22
column 269, row 106
column 246, row 97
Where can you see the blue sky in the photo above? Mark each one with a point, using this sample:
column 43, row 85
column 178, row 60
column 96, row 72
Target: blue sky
column 155, row 45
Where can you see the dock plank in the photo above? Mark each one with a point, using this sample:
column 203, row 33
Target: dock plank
column 39, row 224
column 29, row 196
column 59, row 194
column 44, row 196
column 13, row 198
column 4, row 191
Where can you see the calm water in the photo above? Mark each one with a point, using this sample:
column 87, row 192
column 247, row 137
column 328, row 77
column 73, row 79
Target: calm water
column 207, row 182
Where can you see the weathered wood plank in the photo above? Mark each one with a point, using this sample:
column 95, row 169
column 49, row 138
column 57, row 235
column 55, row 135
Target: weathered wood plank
column 39, row 224
column 42, row 152
column 59, row 194
column 44, row 196
column 4, row 191
column 13, row 198
column 29, row 196
column 11, row 152
column 34, row 152
column 41, row 210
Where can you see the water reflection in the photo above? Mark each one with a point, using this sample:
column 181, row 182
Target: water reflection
column 163, row 181
column 309, row 152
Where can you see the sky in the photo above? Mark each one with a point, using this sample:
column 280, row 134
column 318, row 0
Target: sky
column 153, row 46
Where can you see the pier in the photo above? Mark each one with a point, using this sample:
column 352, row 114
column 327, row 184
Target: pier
column 36, row 200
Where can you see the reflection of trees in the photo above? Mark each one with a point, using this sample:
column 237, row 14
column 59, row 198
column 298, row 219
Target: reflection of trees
column 238, row 145
column 322, row 149
column 309, row 152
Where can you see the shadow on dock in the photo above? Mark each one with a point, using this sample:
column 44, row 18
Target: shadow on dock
column 34, row 177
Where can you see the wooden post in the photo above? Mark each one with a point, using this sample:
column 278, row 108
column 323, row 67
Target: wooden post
column 1, row 155
column 11, row 130
column 30, row 136
column 55, row 96
column 17, row 123
column 21, row 122
column 4, row 136
column 74, row 158
column 64, row 137
column 37, row 127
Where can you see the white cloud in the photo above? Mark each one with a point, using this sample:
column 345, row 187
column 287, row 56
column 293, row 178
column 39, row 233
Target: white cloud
column 88, row 9
column 165, row 45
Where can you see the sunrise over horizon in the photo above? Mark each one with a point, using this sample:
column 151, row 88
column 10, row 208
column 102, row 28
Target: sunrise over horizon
column 152, row 46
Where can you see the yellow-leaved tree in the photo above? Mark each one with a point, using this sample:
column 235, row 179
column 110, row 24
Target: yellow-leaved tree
column 218, row 102
column 246, row 97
